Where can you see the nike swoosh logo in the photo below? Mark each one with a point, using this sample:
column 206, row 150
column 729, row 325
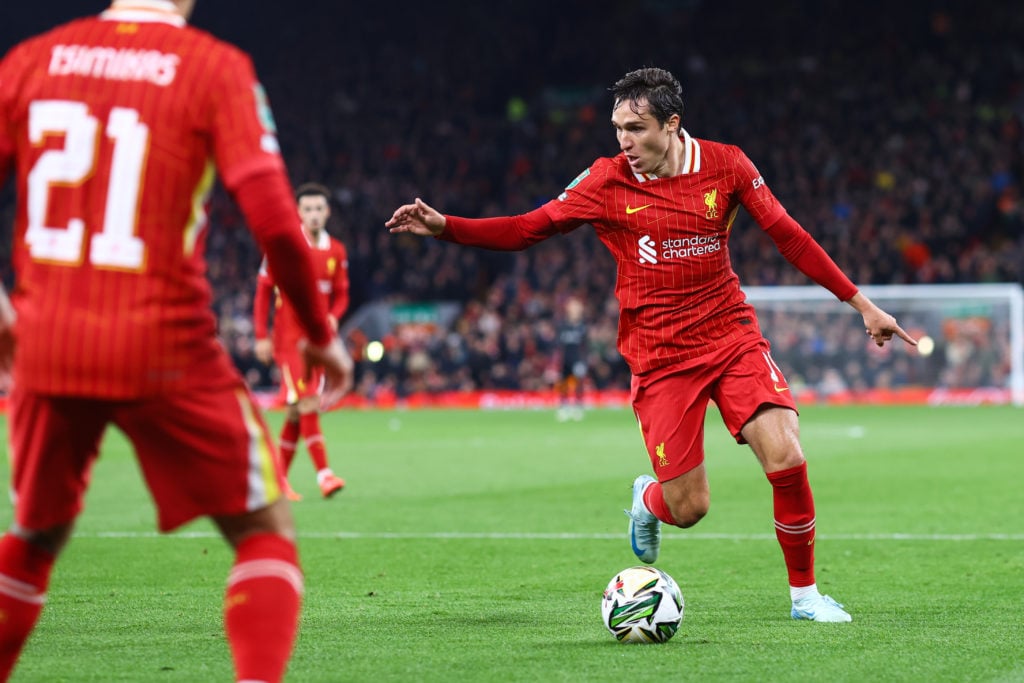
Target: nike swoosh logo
column 779, row 389
column 630, row 210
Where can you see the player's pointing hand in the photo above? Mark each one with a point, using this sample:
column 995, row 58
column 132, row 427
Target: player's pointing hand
column 880, row 326
column 882, row 330
column 418, row 218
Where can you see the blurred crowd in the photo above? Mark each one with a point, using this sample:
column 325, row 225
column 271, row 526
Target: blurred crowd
column 891, row 131
column 899, row 147
column 825, row 351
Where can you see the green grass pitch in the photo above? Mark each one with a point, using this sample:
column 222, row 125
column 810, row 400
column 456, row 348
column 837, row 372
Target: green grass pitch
column 474, row 546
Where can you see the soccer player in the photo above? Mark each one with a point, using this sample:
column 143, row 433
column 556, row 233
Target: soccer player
column 572, row 342
column 302, row 394
column 114, row 125
column 664, row 207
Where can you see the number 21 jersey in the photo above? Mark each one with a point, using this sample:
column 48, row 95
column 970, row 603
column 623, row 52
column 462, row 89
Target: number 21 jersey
column 115, row 125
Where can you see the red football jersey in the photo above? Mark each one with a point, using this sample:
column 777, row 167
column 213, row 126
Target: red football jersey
column 116, row 124
column 331, row 262
column 679, row 297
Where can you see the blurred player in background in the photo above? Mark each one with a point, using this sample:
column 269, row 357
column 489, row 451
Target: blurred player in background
column 302, row 393
column 113, row 126
column 664, row 208
column 572, row 346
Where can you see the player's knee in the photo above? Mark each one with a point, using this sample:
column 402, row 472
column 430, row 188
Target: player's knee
column 784, row 460
column 794, row 458
column 307, row 405
column 275, row 519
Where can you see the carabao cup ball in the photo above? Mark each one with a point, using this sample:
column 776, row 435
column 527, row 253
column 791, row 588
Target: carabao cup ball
column 642, row 605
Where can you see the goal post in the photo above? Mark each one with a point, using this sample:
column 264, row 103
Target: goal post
column 972, row 348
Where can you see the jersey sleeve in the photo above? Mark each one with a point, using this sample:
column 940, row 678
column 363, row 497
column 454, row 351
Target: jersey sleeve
column 244, row 133
column 583, row 200
column 501, row 233
column 804, row 252
column 261, row 302
column 754, row 193
column 340, row 298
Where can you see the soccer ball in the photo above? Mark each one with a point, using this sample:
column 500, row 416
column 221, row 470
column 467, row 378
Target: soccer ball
column 642, row 605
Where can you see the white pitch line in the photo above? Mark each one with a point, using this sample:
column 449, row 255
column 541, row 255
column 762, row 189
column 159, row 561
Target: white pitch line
column 513, row 536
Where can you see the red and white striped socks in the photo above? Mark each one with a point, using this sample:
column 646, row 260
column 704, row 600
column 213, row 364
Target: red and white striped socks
column 24, row 576
column 261, row 607
column 794, row 522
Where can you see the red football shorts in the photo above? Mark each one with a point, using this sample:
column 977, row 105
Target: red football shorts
column 201, row 453
column 671, row 406
column 295, row 382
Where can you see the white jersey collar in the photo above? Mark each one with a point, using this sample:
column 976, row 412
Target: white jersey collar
column 691, row 158
column 323, row 241
column 161, row 11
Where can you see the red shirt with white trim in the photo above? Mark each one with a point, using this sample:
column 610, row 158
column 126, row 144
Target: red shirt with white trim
column 678, row 294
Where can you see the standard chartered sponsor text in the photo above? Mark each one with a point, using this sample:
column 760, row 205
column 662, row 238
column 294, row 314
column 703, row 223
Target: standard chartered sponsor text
column 690, row 246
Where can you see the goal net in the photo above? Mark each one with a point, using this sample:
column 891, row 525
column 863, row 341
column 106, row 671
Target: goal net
column 971, row 348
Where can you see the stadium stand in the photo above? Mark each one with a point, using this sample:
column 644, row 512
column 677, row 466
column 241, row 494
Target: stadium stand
column 891, row 131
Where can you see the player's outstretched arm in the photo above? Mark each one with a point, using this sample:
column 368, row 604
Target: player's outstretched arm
column 338, row 369
column 880, row 326
column 418, row 218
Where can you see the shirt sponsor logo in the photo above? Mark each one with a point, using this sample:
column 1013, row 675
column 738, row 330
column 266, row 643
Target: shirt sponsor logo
column 686, row 247
column 151, row 66
column 680, row 248
column 648, row 252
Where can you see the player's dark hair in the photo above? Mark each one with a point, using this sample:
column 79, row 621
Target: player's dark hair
column 660, row 88
column 312, row 190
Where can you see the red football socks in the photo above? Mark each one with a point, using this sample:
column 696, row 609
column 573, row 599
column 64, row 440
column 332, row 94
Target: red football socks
column 794, row 522
column 261, row 607
column 288, row 443
column 309, row 424
column 24, row 575
column 655, row 502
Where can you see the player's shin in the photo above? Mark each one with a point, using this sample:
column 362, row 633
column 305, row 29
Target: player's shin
column 309, row 425
column 288, row 443
column 794, row 522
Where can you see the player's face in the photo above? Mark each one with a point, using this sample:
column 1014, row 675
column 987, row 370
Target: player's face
column 314, row 212
column 644, row 141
